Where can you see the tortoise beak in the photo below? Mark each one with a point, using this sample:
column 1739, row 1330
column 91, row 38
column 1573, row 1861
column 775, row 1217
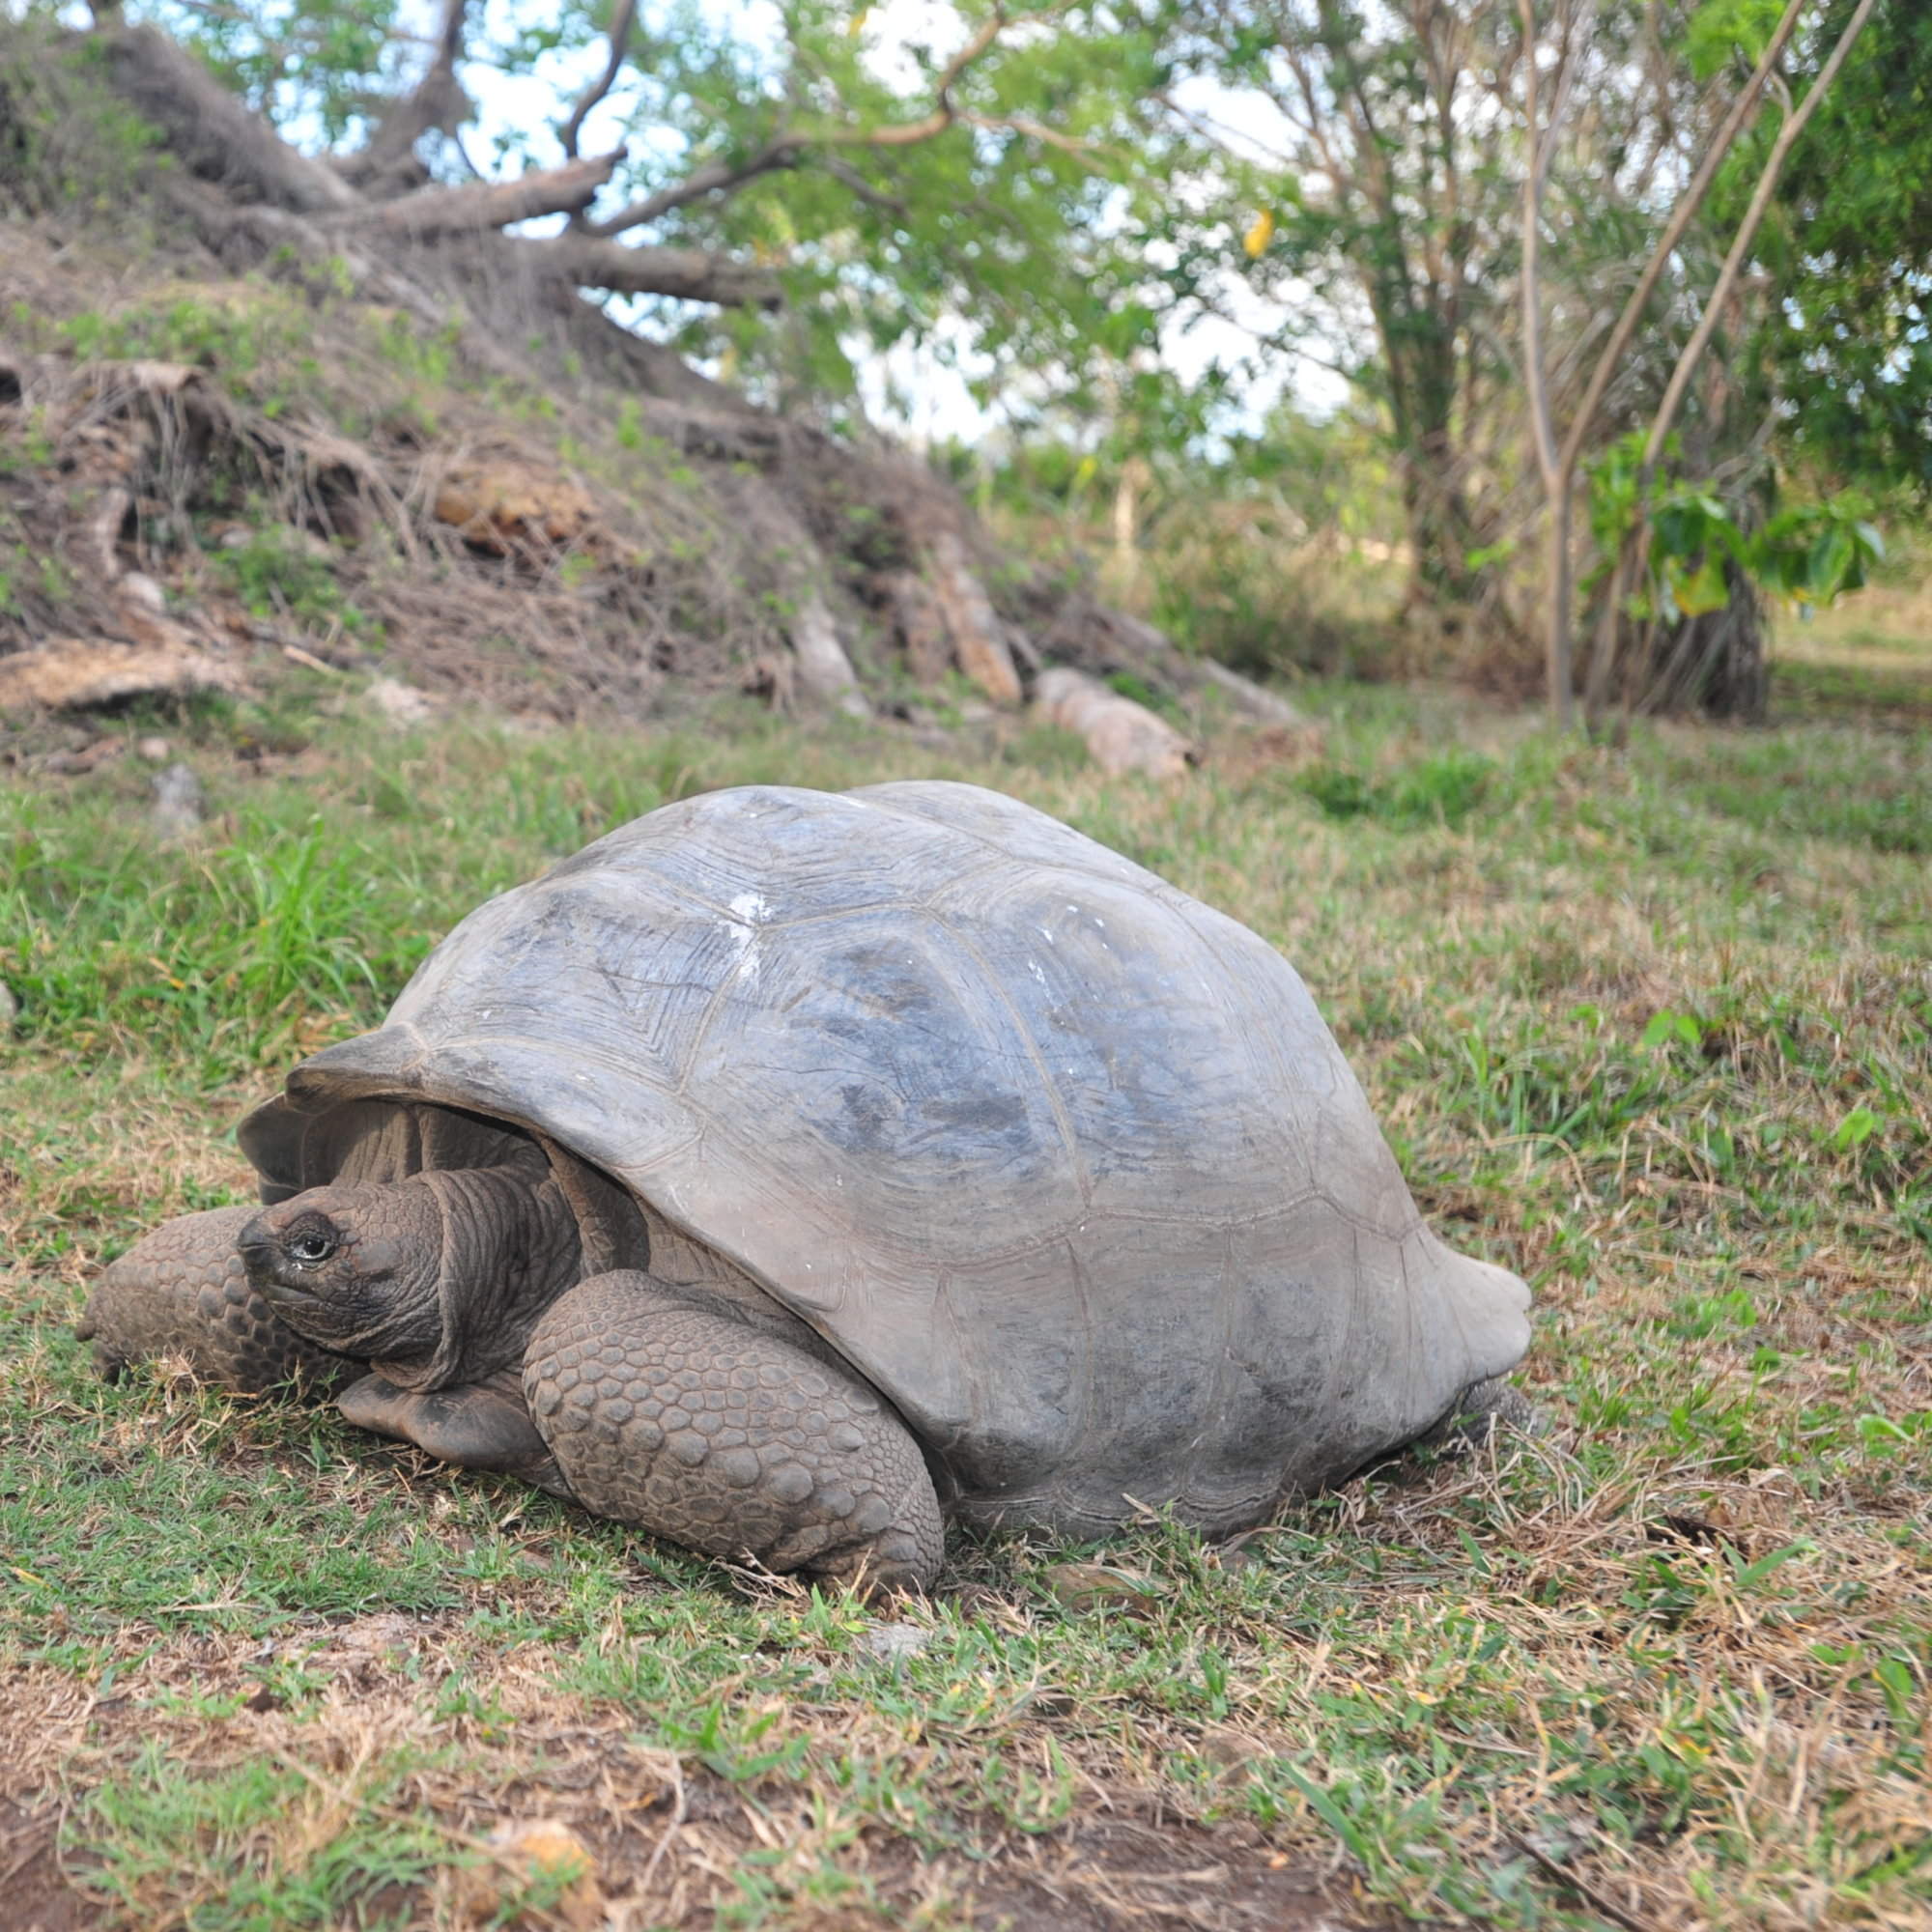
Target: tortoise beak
column 261, row 1255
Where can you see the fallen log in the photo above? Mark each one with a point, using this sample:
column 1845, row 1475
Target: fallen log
column 434, row 212
column 71, row 674
column 1121, row 735
column 978, row 638
column 1266, row 706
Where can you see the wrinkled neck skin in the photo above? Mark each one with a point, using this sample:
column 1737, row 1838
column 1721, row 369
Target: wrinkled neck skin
column 509, row 1249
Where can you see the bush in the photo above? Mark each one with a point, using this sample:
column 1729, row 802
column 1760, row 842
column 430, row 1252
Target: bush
column 1241, row 581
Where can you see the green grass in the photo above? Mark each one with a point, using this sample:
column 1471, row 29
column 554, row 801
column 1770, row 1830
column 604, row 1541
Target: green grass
column 1654, row 1028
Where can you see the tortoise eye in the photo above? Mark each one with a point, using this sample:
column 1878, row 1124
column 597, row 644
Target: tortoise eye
column 310, row 1247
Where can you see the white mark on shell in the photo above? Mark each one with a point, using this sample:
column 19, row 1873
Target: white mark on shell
column 752, row 910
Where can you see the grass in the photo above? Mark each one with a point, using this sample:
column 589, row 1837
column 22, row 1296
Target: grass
column 1865, row 654
column 1653, row 1028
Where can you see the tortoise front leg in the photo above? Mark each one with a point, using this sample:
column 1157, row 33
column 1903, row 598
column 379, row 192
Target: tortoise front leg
column 181, row 1291
column 666, row 1411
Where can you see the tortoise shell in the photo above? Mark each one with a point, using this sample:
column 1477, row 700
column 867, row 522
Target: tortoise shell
column 1064, row 1162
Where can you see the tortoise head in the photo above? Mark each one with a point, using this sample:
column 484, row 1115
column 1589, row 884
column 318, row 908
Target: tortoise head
column 356, row 1268
column 434, row 1280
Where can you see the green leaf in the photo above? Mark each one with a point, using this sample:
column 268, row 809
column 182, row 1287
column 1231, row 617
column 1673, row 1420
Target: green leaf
column 1829, row 563
column 1667, row 1026
column 1697, row 591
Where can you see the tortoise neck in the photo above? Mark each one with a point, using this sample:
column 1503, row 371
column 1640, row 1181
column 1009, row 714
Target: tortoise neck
column 510, row 1247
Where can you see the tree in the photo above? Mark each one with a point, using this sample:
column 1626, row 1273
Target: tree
column 1381, row 225
column 860, row 194
column 1849, row 357
column 1630, row 589
column 1558, row 457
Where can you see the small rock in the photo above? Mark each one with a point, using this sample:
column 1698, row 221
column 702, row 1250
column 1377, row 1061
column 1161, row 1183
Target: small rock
column 178, row 800
column 1097, row 1586
column 893, row 1644
column 542, row 1852
column 155, row 750
column 1230, row 1751
column 402, row 704
column 143, row 591
column 10, row 1008
column 90, row 757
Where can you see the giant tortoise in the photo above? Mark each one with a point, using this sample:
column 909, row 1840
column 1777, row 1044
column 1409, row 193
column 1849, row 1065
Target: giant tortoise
column 790, row 1171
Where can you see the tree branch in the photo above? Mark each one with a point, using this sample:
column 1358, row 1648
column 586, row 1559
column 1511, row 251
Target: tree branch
column 214, row 135
column 623, row 18
column 432, row 213
column 849, row 177
column 1680, row 217
column 784, row 150
column 943, row 114
column 712, row 178
column 690, row 273
column 1034, row 130
column 436, row 101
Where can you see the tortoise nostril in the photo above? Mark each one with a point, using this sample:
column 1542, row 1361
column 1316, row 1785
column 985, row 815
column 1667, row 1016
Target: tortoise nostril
column 259, row 1250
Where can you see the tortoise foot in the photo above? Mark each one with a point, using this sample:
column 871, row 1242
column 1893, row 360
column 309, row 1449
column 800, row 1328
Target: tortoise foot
column 481, row 1425
column 181, row 1291
column 1485, row 1409
column 669, row 1414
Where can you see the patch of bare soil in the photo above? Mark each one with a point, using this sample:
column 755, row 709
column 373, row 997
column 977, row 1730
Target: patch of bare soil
column 1108, row 1872
column 35, row 1896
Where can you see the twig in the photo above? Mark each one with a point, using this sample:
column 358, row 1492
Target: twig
column 670, row 1831
column 1590, row 1896
column 308, row 658
column 784, row 149
column 621, row 23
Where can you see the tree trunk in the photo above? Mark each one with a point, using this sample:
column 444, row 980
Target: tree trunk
column 1712, row 665
column 1559, row 592
column 1439, row 536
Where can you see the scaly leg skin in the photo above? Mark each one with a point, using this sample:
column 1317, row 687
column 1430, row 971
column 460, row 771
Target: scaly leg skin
column 481, row 1425
column 181, row 1291
column 669, row 1412
column 1482, row 1409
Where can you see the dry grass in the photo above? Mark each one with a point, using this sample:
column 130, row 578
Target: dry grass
column 1656, row 1029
